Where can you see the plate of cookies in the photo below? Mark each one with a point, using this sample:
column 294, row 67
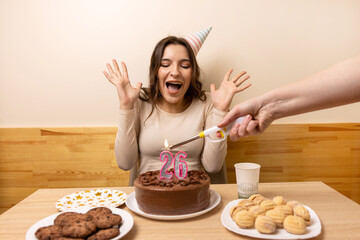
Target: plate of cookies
column 83, row 223
column 91, row 198
column 275, row 218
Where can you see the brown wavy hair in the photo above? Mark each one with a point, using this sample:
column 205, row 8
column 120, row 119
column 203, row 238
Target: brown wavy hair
column 152, row 93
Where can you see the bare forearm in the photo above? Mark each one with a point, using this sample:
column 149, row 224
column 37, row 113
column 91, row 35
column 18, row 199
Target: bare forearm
column 335, row 86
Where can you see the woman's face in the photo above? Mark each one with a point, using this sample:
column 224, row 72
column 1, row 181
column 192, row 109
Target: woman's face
column 174, row 77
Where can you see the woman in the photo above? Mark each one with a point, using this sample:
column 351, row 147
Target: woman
column 174, row 107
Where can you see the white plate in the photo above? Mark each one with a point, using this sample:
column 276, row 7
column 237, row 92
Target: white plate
column 125, row 227
column 313, row 230
column 91, row 198
column 133, row 206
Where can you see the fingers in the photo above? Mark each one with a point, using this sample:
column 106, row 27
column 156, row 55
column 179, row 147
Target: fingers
column 117, row 69
column 242, row 129
column 237, row 77
column 114, row 75
column 242, row 88
column 238, row 81
column 124, row 69
column 233, row 132
column 227, row 75
column 107, row 75
column 138, row 86
column 252, row 128
column 230, row 117
column 110, row 69
column 246, row 128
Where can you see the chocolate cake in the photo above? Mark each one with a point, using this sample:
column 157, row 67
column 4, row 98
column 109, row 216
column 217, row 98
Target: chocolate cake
column 172, row 196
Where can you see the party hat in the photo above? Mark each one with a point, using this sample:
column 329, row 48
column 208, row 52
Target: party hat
column 196, row 40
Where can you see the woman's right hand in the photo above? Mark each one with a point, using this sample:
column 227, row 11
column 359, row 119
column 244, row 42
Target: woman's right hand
column 127, row 93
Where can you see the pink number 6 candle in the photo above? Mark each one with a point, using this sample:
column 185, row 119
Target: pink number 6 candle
column 180, row 167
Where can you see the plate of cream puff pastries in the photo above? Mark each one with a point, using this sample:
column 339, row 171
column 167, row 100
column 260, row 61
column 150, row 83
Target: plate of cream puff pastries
column 275, row 218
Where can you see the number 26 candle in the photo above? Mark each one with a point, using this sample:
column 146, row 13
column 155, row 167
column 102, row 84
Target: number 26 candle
column 180, row 166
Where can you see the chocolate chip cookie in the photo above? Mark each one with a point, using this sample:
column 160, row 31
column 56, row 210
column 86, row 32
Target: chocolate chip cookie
column 69, row 217
column 99, row 211
column 105, row 234
column 48, row 232
column 79, row 229
column 106, row 221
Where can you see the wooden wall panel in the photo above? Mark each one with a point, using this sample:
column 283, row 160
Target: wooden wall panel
column 33, row 158
column 313, row 152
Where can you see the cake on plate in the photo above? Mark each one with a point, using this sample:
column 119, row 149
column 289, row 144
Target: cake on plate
column 172, row 196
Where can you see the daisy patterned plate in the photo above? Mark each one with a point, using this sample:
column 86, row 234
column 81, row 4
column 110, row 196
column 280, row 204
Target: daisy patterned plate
column 91, row 198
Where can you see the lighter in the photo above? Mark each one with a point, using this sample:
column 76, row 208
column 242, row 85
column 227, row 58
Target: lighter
column 213, row 130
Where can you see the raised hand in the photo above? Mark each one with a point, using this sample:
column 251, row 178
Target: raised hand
column 222, row 97
column 127, row 94
column 257, row 118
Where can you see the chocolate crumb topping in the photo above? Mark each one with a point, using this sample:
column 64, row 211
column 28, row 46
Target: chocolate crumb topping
column 152, row 178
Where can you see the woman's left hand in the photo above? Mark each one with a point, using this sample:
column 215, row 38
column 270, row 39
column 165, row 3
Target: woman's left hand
column 223, row 96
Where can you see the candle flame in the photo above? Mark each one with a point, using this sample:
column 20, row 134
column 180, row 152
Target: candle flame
column 166, row 144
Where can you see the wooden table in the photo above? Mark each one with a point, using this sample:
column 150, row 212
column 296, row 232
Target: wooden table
column 340, row 216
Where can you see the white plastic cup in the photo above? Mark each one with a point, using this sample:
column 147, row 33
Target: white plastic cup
column 247, row 179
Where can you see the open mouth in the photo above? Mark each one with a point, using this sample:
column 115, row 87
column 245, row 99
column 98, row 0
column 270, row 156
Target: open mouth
column 173, row 86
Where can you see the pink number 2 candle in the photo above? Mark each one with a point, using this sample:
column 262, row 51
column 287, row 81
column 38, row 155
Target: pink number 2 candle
column 167, row 157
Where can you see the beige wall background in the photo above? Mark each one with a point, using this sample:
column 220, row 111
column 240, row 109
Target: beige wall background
column 52, row 53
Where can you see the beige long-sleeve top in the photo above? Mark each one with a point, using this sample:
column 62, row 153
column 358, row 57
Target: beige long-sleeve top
column 142, row 138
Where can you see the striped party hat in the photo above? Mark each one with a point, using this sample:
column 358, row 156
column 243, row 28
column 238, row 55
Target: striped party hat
column 196, row 40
